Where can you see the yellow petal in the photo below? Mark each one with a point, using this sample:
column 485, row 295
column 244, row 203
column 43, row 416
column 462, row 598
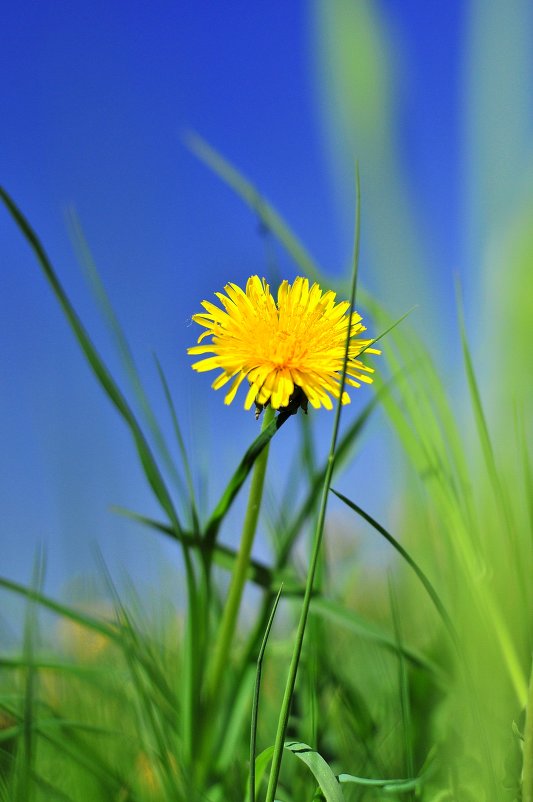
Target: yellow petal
column 234, row 387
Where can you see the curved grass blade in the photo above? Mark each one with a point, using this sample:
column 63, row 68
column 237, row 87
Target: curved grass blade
column 445, row 618
column 96, row 363
column 329, row 784
column 268, row 216
column 488, row 451
column 149, row 464
column 344, row 450
column 432, row 593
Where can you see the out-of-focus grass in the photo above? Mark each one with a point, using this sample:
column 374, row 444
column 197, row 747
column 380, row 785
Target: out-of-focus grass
column 414, row 676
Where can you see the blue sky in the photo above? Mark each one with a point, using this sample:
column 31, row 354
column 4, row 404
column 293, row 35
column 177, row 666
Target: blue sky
column 95, row 99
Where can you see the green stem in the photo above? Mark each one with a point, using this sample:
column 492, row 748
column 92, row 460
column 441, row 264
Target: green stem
column 295, row 661
column 318, row 534
column 238, row 579
column 527, row 774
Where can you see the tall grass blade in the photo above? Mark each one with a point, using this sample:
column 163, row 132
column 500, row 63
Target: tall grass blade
column 257, row 688
column 102, row 298
column 319, row 531
column 149, row 464
column 25, row 791
column 181, row 444
column 100, row 370
column 485, row 440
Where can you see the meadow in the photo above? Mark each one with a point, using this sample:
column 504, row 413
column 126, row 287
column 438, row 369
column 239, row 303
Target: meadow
column 407, row 679
column 419, row 690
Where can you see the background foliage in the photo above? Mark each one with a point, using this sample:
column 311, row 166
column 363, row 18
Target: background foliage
column 416, row 665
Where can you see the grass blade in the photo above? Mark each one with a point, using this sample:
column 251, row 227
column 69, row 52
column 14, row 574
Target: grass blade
column 486, row 445
column 319, row 530
column 224, row 556
column 109, row 630
column 403, row 683
column 255, row 703
column 241, row 474
column 24, row 786
column 181, row 445
column 344, row 450
column 269, row 217
column 102, row 298
column 96, row 363
column 356, row 623
column 329, row 784
column 392, row 786
column 432, row 593
column 261, row 764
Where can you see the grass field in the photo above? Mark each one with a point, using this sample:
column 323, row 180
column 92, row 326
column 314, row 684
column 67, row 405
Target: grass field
column 415, row 688
column 407, row 680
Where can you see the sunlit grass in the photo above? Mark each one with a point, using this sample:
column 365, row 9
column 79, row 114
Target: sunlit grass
column 419, row 694
column 344, row 681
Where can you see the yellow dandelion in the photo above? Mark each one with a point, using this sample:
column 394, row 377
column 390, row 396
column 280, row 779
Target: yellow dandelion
column 289, row 349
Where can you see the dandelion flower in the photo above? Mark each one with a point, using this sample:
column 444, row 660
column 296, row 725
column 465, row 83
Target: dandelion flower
column 288, row 350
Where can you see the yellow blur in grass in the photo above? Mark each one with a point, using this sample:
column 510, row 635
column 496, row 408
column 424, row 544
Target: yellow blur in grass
column 81, row 643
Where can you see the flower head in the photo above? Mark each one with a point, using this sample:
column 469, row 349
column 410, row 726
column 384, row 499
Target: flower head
column 290, row 348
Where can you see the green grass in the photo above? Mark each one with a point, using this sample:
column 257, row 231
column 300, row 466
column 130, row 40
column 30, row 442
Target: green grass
column 412, row 690
column 407, row 681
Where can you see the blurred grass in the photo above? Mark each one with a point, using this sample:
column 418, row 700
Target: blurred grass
column 414, row 675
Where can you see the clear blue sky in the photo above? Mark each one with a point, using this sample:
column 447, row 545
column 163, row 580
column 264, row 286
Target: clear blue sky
column 93, row 103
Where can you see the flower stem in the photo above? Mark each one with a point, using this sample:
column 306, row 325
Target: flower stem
column 238, row 579
column 527, row 774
